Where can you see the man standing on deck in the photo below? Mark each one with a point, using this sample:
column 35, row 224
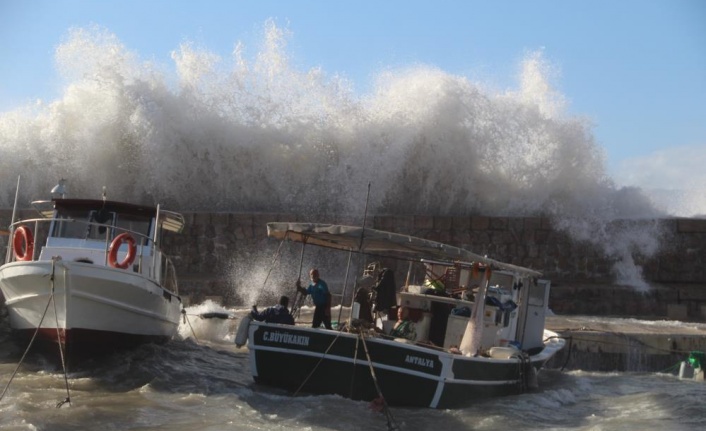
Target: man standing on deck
column 318, row 289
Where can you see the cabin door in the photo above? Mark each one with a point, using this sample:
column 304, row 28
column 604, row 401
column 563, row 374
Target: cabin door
column 531, row 331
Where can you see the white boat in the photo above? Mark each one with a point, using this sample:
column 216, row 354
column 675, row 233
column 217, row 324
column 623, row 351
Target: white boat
column 98, row 283
column 453, row 358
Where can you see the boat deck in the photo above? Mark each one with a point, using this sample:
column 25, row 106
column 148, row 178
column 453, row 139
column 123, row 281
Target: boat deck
column 599, row 343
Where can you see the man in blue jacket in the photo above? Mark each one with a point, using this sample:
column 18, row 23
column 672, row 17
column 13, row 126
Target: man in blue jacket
column 318, row 289
column 277, row 314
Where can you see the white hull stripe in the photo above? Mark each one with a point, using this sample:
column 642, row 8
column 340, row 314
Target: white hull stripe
column 440, row 379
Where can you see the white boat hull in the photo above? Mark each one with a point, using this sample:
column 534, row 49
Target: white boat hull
column 88, row 308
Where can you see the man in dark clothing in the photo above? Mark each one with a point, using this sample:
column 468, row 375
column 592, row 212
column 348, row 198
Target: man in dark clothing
column 384, row 291
column 362, row 297
column 277, row 314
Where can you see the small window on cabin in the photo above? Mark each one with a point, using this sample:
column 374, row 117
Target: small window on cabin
column 136, row 224
column 100, row 225
column 70, row 224
column 504, row 281
column 537, row 294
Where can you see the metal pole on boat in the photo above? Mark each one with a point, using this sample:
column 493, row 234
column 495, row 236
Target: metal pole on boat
column 365, row 216
column 345, row 284
column 154, row 246
column 301, row 260
column 360, row 247
column 12, row 221
column 295, row 307
column 409, row 274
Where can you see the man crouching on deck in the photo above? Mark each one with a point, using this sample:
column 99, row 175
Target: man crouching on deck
column 318, row 289
column 277, row 314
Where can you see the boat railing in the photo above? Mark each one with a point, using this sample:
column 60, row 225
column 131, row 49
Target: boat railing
column 169, row 278
column 149, row 260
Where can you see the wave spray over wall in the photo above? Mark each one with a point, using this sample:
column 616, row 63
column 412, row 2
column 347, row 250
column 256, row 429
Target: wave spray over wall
column 257, row 134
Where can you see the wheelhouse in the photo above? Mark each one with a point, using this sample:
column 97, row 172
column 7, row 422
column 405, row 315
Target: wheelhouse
column 99, row 232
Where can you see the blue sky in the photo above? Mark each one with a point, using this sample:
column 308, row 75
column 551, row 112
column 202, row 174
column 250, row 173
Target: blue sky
column 635, row 68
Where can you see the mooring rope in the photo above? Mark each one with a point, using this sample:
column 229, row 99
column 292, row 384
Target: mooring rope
column 31, row 341
column 568, row 354
column 391, row 423
column 571, row 344
column 524, row 363
column 671, row 368
column 316, row 366
column 355, row 360
column 299, row 299
column 186, row 320
column 58, row 336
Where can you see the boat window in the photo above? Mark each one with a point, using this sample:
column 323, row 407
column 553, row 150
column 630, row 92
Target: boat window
column 101, row 221
column 536, row 294
column 501, row 280
column 63, row 228
column 132, row 223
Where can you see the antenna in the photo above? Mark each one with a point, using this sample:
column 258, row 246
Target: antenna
column 365, row 216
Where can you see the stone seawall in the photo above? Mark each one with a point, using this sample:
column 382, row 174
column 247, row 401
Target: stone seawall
column 615, row 344
column 582, row 282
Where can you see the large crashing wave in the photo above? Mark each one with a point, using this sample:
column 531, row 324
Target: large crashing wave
column 256, row 134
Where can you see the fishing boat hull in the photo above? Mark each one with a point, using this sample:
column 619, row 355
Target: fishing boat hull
column 329, row 362
column 89, row 309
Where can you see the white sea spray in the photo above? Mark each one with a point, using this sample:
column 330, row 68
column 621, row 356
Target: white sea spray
column 258, row 133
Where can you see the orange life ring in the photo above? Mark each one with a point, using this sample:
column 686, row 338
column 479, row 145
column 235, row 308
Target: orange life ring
column 115, row 246
column 23, row 244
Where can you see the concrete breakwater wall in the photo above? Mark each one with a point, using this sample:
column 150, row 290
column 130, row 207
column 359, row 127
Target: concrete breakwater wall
column 580, row 271
column 617, row 344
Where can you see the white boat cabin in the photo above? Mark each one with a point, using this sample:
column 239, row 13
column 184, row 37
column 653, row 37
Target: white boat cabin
column 100, row 232
column 513, row 310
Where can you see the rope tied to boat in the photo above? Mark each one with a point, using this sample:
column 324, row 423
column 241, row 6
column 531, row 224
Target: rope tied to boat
column 186, row 320
column 380, row 400
column 355, row 361
column 317, row 365
column 524, row 371
column 58, row 334
column 34, row 336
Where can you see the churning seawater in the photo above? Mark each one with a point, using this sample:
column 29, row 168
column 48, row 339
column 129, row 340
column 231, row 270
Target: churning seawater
column 190, row 385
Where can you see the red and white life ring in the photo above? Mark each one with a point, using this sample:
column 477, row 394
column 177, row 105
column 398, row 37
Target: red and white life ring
column 115, row 246
column 23, row 244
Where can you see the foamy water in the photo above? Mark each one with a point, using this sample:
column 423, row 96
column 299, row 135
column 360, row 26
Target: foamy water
column 185, row 385
column 239, row 133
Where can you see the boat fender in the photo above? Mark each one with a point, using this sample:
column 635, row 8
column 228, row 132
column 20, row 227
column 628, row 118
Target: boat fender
column 241, row 337
column 115, row 246
column 23, row 244
column 502, row 352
